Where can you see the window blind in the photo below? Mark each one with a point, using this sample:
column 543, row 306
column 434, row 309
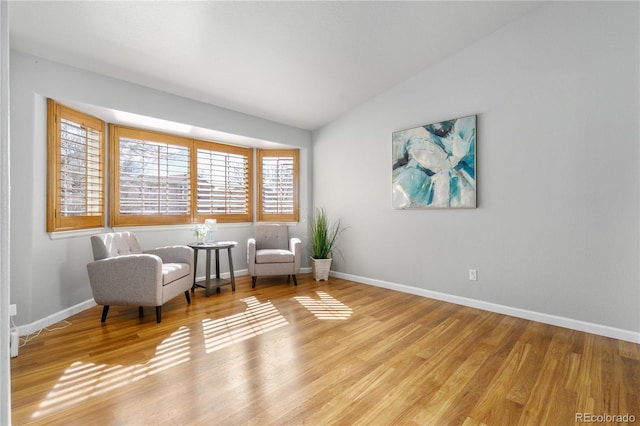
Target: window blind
column 277, row 185
column 154, row 178
column 81, row 185
column 223, row 183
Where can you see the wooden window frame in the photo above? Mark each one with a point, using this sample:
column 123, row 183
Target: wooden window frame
column 282, row 217
column 118, row 219
column 56, row 221
column 225, row 149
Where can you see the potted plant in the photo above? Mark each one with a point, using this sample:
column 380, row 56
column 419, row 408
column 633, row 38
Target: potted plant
column 323, row 237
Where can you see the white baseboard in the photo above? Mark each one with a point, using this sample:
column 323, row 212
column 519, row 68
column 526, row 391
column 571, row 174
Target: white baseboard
column 243, row 272
column 587, row 327
column 25, row 330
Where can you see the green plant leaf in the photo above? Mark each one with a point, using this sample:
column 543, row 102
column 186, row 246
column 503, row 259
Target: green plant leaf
column 323, row 234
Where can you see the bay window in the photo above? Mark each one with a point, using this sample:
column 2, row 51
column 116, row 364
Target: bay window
column 157, row 178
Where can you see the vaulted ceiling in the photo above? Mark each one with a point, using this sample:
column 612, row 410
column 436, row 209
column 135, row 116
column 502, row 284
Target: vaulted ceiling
column 298, row 63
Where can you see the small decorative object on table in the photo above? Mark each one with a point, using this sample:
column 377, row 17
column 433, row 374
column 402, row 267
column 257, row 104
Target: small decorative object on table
column 200, row 232
column 212, row 227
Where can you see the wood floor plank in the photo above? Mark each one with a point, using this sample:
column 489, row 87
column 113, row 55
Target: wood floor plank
column 336, row 352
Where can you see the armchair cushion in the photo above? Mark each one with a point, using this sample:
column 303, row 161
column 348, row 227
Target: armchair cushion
column 174, row 271
column 274, row 256
column 176, row 262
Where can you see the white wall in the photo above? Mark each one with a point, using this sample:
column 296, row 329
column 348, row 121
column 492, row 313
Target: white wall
column 49, row 276
column 556, row 229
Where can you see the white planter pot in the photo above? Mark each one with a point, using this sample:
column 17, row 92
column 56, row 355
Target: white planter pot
column 320, row 268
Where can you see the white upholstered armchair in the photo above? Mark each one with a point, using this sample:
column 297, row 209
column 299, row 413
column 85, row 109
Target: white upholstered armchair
column 272, row 252
column 123, row 274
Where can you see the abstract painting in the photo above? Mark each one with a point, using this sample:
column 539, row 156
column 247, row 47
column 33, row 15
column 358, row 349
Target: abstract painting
column 434, row 166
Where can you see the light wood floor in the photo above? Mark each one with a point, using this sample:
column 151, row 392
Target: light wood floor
column 320, row 353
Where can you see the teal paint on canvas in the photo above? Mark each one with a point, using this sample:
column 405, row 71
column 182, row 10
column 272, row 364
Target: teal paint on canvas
column 434, row 166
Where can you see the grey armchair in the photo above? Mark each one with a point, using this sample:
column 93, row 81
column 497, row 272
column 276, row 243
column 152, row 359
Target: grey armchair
column 123, row 274
column 272, row 252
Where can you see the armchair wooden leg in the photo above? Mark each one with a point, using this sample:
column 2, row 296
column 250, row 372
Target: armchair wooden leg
column 158, row 314
column 186, row 293
column 105, row 310
column 295, row 281
column 253, row 282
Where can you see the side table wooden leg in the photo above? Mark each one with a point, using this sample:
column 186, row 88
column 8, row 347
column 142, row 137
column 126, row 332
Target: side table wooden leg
column 208, row 277
column 233, row 279
column 218, row 270
column 195, row 269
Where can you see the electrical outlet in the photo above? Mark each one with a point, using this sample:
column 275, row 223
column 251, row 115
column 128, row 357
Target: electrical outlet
column 13, row 310
column 473, row 275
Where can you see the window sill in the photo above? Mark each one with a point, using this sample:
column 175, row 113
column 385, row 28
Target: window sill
column 189, row 226
column 61, row 235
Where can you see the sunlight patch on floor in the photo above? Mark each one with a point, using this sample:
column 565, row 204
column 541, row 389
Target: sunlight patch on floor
column 259, row 318
column 326, row 308
column 83, row 380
